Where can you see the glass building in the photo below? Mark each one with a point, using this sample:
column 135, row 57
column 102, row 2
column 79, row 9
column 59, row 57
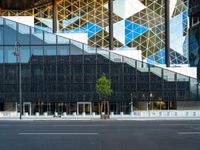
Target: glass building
column 194, row 35
column 137, row 24
column 59, row 74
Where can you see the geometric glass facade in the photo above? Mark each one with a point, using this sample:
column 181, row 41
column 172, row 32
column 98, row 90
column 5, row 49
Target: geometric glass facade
column 194, row 35
column 57, row 73
column 138, row 24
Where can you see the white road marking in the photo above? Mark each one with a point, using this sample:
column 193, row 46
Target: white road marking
column 180, row 124
column 79, row 125
column 55, row 125
column 189, row 133
column 57, row 133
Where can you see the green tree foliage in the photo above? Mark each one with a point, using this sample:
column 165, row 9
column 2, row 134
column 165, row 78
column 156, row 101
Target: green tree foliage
column 103, row 87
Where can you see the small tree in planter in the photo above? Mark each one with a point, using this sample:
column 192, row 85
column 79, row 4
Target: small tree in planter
column 103, row 89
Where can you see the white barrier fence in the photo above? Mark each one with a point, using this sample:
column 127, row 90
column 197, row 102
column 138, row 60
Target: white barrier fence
column 135, row 114
column 8, row 114
column 161, row 114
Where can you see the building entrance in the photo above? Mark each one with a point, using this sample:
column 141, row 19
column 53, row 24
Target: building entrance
column 84, row 107
column 27, row 108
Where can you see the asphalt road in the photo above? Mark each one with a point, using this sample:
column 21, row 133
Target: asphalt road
column 99, row 135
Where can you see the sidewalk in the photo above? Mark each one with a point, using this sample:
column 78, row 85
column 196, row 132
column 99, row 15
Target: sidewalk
column 136, row 115
column 97, row 117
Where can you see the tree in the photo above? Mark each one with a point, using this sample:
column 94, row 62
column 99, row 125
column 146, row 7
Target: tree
column 103, row 89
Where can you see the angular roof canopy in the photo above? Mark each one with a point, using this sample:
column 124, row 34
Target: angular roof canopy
column 21, row 4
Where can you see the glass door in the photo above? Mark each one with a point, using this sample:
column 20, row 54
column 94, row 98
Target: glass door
column 88, row 108
column 80, row 108
column 27, row 108
column 84, row 108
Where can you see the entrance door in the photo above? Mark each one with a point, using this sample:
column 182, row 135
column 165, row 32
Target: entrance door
column 84, row 107
column 27, row 107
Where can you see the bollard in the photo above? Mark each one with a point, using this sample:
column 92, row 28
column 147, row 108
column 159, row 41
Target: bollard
column 45, row 114
column 55, row 114
column 121, row 114
column 74, row 113
column 64, row 114
column 132, row 114
column 93, row 114
column 112, row 114
column 37, row 114
column 26, row 114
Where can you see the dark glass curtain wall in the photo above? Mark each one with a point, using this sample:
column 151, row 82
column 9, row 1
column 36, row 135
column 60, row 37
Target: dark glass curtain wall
column 56, row 69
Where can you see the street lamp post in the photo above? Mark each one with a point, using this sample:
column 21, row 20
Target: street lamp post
column 18, row 56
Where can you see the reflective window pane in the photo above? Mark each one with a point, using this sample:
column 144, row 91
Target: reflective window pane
column 49, row 38
column 36, row 37
column 25, row 54
column 63, row 50
column 23, row 34
column 62, row 40
column 50, row 50
column 10, row 29
column 10, row 57
column 37, row 50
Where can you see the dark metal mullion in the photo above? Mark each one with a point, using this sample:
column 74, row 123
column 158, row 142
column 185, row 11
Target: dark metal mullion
column 4, row 61
column 110, row 14
column 189, row 89
column 56, row 65
column 83, row 72
column 167, row 33
column 109, row 70
column 136, row 78
column 96, row 56
column 163, row 83
column 96, row 67
column 30, row 68
column 44, row 93
column 65, row 73
column 176, row 92
column 70, row 71
column 123, row 64
column 149, row 80
column 18, row 72
column 109, row 67
column 5, row 52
